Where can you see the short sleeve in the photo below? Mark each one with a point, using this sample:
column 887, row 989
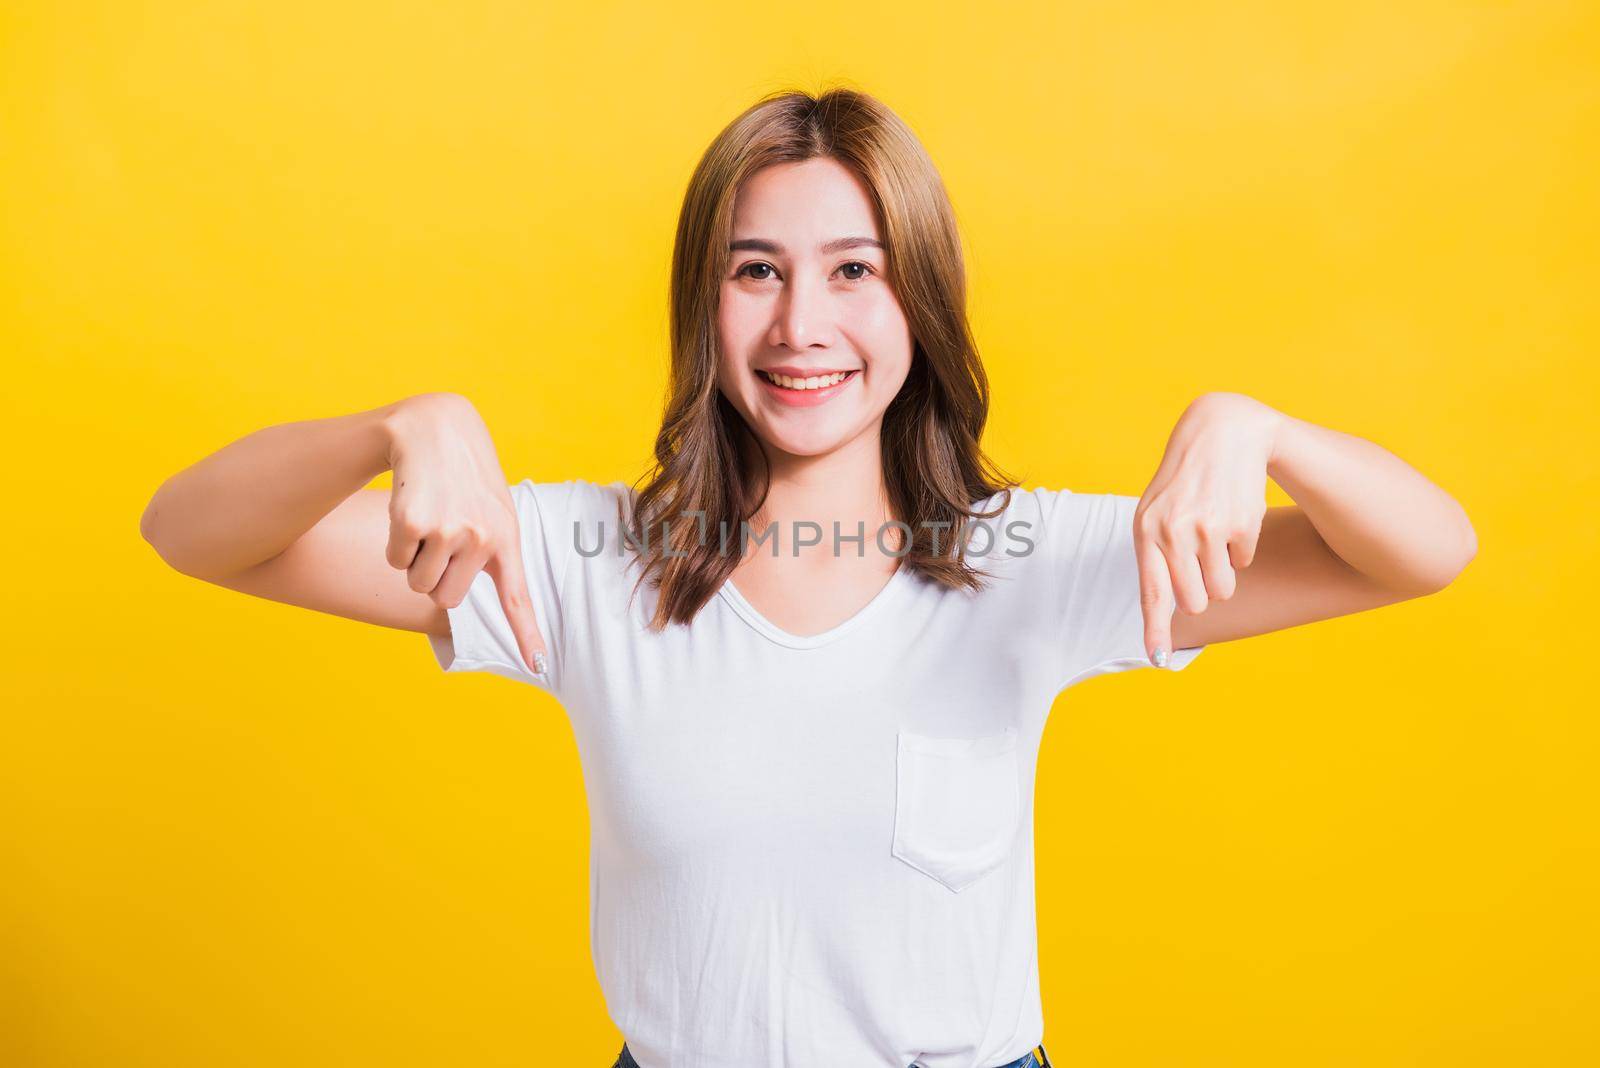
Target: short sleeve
column 480, row 637
column 1088, row 543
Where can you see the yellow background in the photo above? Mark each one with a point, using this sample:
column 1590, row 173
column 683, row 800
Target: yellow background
column 237, row 833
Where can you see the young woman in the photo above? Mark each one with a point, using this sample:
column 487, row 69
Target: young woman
column 809, row 663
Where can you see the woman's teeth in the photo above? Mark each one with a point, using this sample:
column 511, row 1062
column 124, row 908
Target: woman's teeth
column 815, row 382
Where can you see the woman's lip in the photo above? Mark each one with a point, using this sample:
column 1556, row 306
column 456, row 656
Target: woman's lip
column 803, row 398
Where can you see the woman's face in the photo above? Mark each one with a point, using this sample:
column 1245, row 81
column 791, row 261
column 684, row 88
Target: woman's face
column 804, row 294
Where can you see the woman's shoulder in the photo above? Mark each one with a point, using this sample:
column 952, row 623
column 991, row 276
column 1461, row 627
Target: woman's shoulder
column 1061, row 520
column 1047, row 501
column 1030, row 505
column 577, row 498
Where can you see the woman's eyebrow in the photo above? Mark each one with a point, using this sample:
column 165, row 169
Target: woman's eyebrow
column 838, row 244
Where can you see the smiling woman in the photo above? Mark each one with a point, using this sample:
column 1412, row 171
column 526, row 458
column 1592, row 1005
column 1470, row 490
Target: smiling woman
column 810, row 772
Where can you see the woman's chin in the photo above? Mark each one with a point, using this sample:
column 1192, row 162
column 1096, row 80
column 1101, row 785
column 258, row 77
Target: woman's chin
column 813, row 444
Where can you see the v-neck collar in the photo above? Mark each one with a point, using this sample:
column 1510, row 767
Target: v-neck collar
column 773, row 632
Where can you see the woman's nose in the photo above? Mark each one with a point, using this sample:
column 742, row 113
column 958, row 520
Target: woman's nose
column 804, row 316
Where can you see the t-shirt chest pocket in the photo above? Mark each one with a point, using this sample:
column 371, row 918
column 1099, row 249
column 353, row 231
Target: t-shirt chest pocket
column 957, row 804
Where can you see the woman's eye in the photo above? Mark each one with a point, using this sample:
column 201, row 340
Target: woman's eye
column 756, row 266
column 857, row 263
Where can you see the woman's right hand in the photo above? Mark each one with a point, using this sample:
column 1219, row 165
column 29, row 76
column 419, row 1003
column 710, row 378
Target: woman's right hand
column 451, row 514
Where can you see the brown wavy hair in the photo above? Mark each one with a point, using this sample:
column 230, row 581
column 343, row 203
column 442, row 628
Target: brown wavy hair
column 934, row 470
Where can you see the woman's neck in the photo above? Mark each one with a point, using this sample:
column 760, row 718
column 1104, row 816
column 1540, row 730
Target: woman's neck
column 844, row 486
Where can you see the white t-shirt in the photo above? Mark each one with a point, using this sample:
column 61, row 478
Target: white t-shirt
column 817, row 851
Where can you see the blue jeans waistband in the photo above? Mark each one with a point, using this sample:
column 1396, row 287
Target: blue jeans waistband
column 1034, row 1058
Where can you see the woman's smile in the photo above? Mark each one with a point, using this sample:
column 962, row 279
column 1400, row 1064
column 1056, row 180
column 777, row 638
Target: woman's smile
column 805, row 392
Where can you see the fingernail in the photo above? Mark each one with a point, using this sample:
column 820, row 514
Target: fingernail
column 1160, row 657
column 538, row 664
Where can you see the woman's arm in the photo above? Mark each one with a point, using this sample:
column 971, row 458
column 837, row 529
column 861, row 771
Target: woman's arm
column 1379, row 514
column 283, row 514
column 1366, row 529
column 252, row 499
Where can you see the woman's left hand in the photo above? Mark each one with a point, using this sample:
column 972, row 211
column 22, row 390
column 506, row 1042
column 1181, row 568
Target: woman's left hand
column 1198, row 520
